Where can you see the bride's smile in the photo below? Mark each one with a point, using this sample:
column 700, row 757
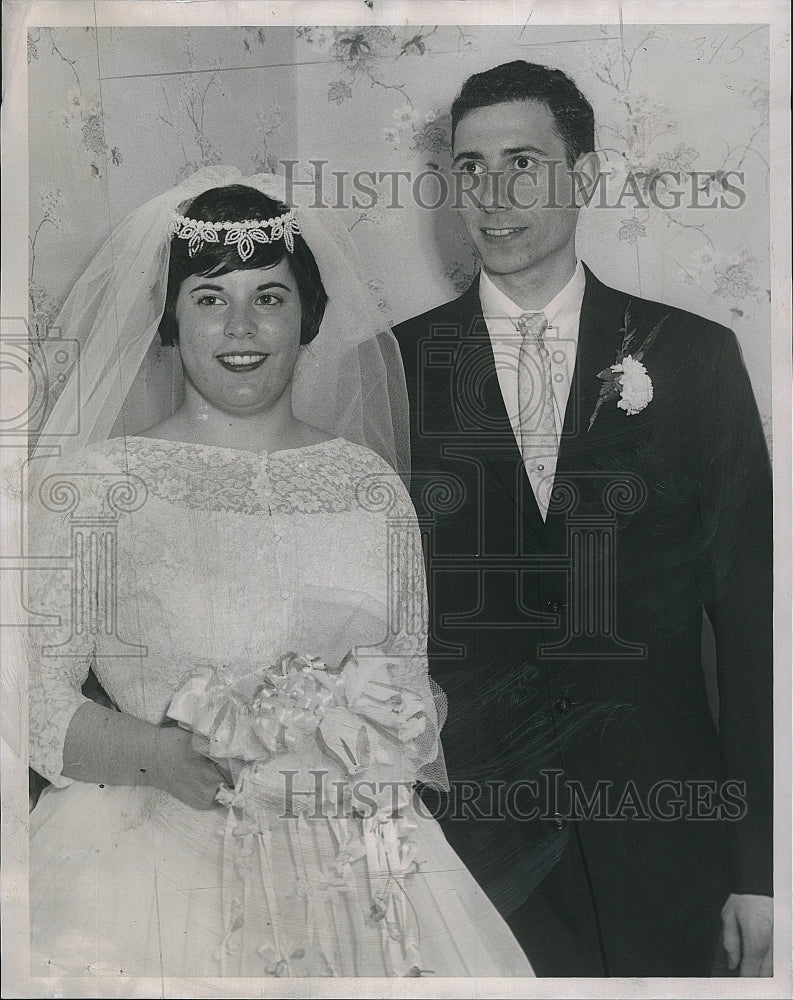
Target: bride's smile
column 247, row 362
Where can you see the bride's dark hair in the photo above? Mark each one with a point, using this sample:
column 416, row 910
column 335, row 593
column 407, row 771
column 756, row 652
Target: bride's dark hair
column 237, row 203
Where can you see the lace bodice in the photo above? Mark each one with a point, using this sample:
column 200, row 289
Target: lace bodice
column 173, row 555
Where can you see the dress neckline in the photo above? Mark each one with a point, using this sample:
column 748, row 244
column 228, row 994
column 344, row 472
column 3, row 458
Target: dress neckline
column 220, row 447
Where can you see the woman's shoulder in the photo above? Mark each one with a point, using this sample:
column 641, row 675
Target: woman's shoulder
column 86, row 483
column 78, row 468
column 346, row 457
column 338, row 475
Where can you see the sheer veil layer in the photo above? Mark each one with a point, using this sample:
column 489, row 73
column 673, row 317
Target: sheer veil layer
column 348, row 381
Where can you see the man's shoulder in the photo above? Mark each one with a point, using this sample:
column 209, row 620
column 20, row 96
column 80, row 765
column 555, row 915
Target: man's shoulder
column 460, row 309
column 678, row 324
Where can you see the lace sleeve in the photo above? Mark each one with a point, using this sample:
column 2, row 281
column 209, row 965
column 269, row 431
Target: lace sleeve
column 405, row 647
column 62, row 603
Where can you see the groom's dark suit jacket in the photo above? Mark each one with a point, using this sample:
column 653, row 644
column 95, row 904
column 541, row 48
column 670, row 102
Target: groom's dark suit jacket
column 573, row 647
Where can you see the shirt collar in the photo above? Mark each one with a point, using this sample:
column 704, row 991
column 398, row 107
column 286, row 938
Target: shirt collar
column 567, row 301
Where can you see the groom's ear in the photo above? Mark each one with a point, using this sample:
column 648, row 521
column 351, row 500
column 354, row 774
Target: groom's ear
column 584, row 178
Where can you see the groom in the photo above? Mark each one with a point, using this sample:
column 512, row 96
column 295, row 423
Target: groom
column 616, row 827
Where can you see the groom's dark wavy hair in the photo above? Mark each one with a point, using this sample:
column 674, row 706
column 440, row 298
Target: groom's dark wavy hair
column 525, row 81
column 236, row 203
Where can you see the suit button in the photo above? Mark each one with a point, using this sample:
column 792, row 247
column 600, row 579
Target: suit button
column 563, row 704
column 555, row 607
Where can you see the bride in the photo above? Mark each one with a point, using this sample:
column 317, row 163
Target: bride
column 232, row 551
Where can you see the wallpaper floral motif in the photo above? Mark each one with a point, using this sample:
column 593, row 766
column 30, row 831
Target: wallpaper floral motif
column 682, row 132
column 79, row 113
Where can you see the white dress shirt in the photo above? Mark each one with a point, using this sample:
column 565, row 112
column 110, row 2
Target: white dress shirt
column 563, row 313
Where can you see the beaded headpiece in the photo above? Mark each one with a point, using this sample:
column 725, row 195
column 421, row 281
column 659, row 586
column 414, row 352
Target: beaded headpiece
column 244, row 234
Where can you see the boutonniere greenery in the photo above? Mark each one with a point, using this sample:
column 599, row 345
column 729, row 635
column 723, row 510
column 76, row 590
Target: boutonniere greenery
column 627, row 380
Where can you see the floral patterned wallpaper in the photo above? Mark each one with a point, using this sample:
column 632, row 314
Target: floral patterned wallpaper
column 132, row 110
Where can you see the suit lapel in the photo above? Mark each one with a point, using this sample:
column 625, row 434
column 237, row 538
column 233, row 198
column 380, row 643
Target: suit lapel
column 504, row 469
column 599, row 339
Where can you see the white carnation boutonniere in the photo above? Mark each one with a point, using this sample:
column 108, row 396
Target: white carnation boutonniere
column 636, row 387
column 627, row 380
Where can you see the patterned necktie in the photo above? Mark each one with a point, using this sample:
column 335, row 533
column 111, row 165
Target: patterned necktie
column 538, row 441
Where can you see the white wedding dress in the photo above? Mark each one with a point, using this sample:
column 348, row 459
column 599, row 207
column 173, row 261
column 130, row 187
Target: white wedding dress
column 192, row 555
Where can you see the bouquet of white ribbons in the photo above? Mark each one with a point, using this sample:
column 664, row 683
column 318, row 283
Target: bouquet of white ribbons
column 349, row 724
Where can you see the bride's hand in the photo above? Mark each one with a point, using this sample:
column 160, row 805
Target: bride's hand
column 183, row 772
